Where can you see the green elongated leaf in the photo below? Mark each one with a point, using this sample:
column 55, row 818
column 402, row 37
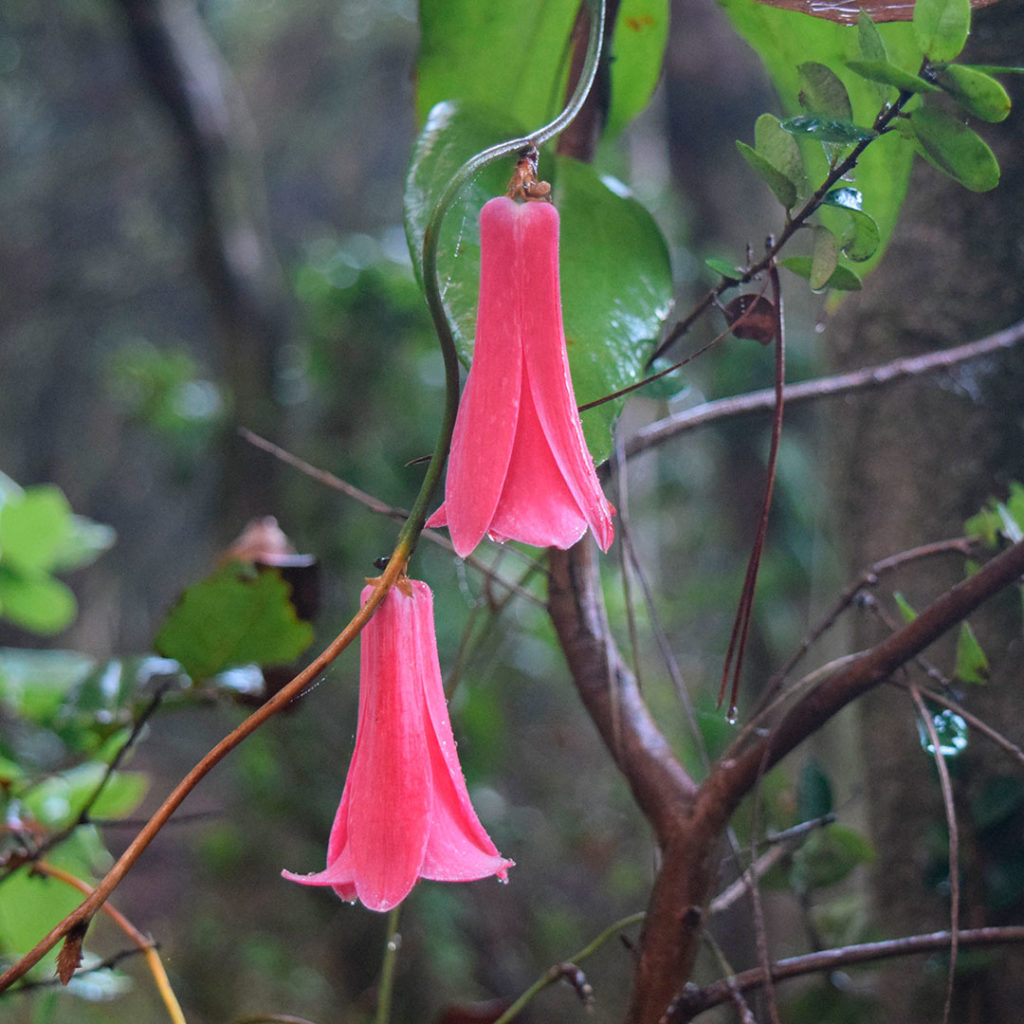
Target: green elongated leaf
column 511, row 56
column 784, row 39
column 637, row 52
column 814, row 794
column 953, row 148
column 859, row 237
column 234, row 617
column 724, row 268
column 33, row 527
column 869, row 39
column 38, row 603
column 905, row 607
column 843, row 278
column 978, row 93
column 614, row 265
column 780, row 149
column 889, row 74
column 781, row 186
column 995, row 69
column 59, row 799
column 941, row 27
column 824, row 258
column 822, row 92
column 826, row 129
column 971, row 663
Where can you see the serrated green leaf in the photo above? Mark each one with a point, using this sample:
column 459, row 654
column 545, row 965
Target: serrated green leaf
column 941, row 27
column 780, row 149
column 234, row 617
column 889, row 74
column 843, row 278
column 38, row 603
column 724, row 268
column 637, row 53
column 824, row 257
column 971, row 663
column 905, row 607
column 976, row 92
column 510, row 56
column 826, row 129
column 822, row 92
column 33, row 527
column 614, row 264
column 953, row 148
column 783, row 189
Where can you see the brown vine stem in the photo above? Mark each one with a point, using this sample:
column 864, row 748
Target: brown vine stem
column 845, row 383
column 73, row 927
column 695, row 1000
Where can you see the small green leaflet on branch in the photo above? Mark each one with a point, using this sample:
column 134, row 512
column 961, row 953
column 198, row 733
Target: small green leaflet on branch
column 971, row 662
column 826, row 129
column 948, row 144
column 237, row 616
column 889, row 74
column 978, row 93
column 776, row 159
column 824, row 258
column 822, row 92
column 941, row 27
column 843, row 278
column 859, row 238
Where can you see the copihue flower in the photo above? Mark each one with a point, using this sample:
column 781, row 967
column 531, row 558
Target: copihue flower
column 519, row 467
column 405, row 813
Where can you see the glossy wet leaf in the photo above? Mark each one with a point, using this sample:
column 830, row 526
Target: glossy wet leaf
column 843, row 278
column 513, row 57
column 858, row 237
column 978, row 93
column 953, row 148
column 780, row 149
column 637, row 53
column 822, row 91
column 614, row 265
column 824, row 258
column 752, row 317
column 826, row 129
column 781, row 186
column 951, row 730
column 234, row 617
column 941, row 27
column 784, row 39
column 971, row 662
column 889, row 74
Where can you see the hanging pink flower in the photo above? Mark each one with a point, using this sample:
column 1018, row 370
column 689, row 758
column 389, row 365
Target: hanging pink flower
column 519, row 467
column 405, row 813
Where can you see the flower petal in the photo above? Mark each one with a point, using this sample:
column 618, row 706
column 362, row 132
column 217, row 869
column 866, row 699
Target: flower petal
column 486, row 423
column 546, row 364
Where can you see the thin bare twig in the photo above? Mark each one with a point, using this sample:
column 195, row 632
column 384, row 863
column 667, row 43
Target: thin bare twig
column 845, row 383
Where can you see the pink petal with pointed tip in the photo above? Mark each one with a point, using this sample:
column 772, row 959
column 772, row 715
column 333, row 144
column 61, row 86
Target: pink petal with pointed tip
column 546, row 366
column 489, row 408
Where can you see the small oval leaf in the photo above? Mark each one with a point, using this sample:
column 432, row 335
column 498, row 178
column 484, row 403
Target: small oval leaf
column 889, row 74
column 824, row 258
column 784, row 189
column 979, row 94
column 752, row 317
column 843, row 278
column 953, row 148
column 941, row 27
column 822, row 92
column 780, row 149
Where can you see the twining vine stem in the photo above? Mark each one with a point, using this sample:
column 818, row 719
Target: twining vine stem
column 73, row 927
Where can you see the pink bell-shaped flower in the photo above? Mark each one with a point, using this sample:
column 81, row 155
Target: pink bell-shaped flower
column 405, row 813
column 519, row 467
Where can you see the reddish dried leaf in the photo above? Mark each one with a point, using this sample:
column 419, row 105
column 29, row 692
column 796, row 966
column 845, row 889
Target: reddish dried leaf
column 846, row 11
column 70, row 956
column 751, row 316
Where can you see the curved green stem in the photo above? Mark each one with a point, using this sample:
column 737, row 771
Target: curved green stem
column 387, row 974
column 432, row 283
